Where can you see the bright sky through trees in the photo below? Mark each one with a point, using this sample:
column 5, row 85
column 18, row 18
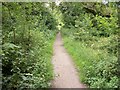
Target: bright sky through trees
column 57, row 2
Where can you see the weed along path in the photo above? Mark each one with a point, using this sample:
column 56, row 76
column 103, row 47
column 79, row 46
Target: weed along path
column 65, row 73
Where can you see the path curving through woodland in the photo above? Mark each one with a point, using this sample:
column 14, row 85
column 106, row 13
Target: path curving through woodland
column 66, row 75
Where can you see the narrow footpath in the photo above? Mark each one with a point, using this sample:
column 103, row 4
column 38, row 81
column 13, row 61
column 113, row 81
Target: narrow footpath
column 66, row 75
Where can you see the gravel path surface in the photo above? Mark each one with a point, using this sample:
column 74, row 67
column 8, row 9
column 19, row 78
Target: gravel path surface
column 66, row 75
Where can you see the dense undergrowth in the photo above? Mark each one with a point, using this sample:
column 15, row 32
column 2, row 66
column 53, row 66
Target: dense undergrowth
column 96, row 68
column 90, row 33
column 92, row 40
column 28, row 35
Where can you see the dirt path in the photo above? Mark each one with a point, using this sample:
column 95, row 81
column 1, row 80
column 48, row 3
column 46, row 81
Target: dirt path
column 65, row 73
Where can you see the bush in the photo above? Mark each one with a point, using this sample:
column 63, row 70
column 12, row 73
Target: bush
column 30, row 70
column 97, row 68
column 27, row 39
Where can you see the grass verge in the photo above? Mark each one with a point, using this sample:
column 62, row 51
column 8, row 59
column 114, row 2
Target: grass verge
column 96, row 68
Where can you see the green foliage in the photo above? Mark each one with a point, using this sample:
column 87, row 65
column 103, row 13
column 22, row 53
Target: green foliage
column 93, row 29
column 106, row 26
column 28, row 35
column 69, row 13
column 97, row 69
column 92, row 41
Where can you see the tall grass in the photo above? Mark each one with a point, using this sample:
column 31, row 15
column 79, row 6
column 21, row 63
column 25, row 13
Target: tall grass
column 96, row 67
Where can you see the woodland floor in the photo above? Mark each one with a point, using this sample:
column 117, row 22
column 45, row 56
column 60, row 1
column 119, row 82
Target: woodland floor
column 66, row 75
